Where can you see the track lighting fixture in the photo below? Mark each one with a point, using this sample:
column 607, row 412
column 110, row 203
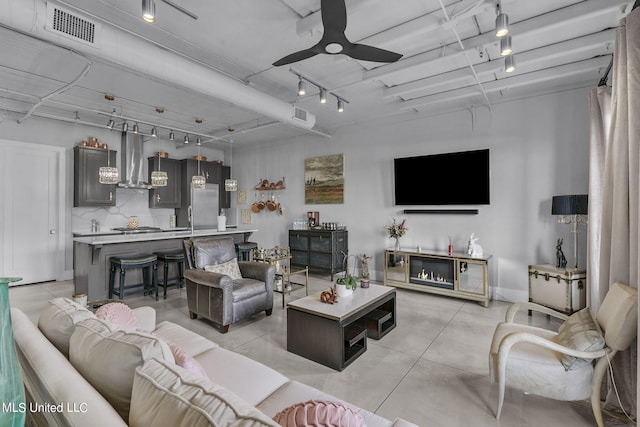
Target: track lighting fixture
column 502, row 23
column 111, row 124
column 323, row 96
column 125, row 127
column 198, row 141
column 302, row 87
column 186, row 139
column 509, row 64
column 154, row 132
column 149, row 10
column 505, row 46
column 340, row 105
column 172, row 136
column 135, row 128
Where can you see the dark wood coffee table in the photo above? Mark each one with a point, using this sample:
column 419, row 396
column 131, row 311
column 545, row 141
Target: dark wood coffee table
column 336, row 334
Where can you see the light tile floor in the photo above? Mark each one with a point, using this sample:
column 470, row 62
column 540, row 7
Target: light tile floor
column 431, row 370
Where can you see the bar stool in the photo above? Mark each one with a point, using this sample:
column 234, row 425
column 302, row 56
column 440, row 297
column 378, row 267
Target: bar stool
column 244, row 250
column 147, row 263
column 167, row 257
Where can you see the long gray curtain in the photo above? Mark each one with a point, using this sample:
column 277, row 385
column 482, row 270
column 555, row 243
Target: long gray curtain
column 614, row 194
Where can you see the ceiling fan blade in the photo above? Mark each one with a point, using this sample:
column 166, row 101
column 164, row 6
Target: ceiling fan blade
column 295, row 57
column 334, row 16
column 370, row 53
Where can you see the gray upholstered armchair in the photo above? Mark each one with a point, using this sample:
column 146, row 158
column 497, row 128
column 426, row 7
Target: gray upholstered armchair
column 215, row 295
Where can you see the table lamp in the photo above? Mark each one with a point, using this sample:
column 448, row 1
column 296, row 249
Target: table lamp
column 571, row 209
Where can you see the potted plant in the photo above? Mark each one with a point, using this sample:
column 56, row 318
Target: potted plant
column 347, row 284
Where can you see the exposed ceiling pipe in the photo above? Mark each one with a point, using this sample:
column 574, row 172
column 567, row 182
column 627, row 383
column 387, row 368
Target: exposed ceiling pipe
column 141, row 56
column 473, row 70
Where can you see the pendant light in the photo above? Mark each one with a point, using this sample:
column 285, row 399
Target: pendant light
column 159, row 178
column 108, row 174
column 505, row 46
column 230, row 184
column 502, row 23
column 149, row 10
column 198, row 181
column 509, row 64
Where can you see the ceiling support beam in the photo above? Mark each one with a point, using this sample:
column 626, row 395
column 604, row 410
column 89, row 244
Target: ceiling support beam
column 461, row 76
column 527, row 79
column 539, row 24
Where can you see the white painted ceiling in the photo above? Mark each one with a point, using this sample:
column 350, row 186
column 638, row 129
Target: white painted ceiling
column 450, row 60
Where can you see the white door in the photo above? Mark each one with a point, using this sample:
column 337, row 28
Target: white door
column 30, row 185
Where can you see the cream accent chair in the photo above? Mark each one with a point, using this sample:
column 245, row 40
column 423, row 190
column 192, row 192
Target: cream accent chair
column 529, row 358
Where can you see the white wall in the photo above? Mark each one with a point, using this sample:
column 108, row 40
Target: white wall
column 538, row 146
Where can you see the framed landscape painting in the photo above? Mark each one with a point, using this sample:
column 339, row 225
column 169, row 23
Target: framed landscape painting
column 324, row 180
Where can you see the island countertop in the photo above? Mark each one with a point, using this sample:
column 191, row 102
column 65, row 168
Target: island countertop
column 107, row 239
column 92, row 254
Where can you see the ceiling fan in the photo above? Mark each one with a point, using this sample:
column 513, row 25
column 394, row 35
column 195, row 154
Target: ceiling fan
column 334, row 41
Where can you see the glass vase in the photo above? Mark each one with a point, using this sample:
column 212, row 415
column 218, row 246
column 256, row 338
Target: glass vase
column 12, row 413
column 396, row 246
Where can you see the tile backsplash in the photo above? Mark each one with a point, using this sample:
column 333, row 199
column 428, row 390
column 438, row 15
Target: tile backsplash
column 128, row 202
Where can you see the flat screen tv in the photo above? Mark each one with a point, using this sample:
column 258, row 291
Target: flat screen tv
column 460, row 178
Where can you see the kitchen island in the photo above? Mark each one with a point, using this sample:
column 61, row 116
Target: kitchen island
column 91, row 253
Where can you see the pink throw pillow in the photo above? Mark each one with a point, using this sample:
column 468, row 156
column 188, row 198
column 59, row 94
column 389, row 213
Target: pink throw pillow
column 319, row 413
column 118, row 313
column 187, row 362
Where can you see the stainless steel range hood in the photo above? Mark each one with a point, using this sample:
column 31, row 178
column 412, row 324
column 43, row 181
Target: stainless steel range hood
column 132, row 166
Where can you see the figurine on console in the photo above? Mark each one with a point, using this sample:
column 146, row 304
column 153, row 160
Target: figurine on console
column 561, row 260
column 474, row 249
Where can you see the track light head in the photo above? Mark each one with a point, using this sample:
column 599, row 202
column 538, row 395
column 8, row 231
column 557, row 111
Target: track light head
column 135, row 128
column 186, row 139
column 505, row 46
column 323, row 96
column 149, row 10
column 154, row 132
column 172, row 136
column 198, row 141
column 340, row 105
column 509, row 64
column 111, row 124
column 502, row 24
column 302, row 87
column 125, row 127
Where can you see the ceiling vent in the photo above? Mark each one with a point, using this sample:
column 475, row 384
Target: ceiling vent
column 299, row 114
column 71, row 25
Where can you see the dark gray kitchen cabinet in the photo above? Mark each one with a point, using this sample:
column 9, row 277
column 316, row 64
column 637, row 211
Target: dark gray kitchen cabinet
column 87, row 190
column 168, row 196
column 321, row 250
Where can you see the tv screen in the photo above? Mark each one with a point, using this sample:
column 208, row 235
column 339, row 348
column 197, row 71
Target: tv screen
column 460, row 178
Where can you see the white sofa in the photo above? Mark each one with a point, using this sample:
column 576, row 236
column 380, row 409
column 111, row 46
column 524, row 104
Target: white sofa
column 82, row 371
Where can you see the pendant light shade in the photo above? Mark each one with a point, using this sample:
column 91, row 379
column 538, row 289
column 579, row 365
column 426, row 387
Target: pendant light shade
column 108, row 174
column 149, row 10
column 505, row 46
column 502, row 25
column 231, row 184
column 509, row 64
column 198, row 181
column 159, row 178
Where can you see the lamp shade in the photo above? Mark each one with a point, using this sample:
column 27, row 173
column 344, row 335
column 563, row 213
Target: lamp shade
column 574, row 204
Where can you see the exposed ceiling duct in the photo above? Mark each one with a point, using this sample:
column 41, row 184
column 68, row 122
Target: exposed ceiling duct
column 110, row 44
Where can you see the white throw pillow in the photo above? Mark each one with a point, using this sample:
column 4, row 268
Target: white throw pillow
column 165, row 394
column 58, row 321
column 107, row 356
column 229, row 268
column 580, row 332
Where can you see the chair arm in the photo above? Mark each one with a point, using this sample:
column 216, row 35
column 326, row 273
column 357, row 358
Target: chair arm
column 523, row 305
column 146, row 317
column 518, row 337
column 257, row 270
column 209, row 278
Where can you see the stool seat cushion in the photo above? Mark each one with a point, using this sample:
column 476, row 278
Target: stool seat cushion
column 170, row 254
column 134, row 260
